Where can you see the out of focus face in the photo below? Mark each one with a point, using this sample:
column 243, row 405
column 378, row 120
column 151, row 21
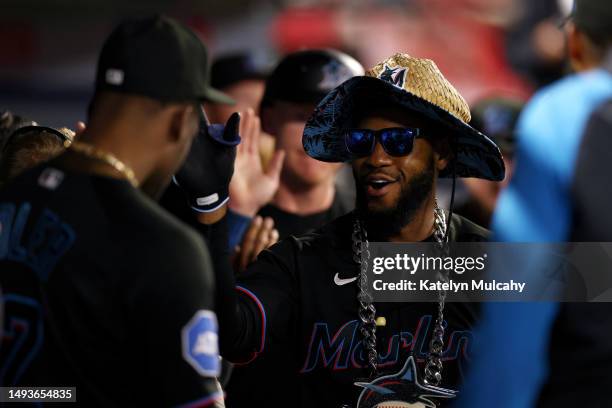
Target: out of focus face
column 247, row 94
column 286, row 121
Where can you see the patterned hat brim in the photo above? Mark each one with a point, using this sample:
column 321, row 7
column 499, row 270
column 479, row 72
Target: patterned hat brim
column 323, row 139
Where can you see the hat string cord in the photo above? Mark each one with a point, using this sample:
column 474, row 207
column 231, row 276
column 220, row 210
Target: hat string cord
column 452, row 198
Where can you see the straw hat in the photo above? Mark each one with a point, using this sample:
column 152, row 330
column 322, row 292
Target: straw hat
column 416, row 85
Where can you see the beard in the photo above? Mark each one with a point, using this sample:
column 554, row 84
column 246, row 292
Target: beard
column 383, row 224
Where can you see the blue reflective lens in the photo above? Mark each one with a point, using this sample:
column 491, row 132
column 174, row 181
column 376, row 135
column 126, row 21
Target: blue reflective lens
column 398, row 141
column 395, row 141
column 360, row 141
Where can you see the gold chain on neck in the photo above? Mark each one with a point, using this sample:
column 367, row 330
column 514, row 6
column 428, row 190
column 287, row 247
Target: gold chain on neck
column 108, row 158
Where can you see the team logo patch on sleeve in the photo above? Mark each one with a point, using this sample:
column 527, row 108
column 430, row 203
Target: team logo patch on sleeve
column 200, row 341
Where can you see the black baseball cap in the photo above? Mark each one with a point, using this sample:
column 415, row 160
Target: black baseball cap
column 497, row 118
column 309, row 75
column 233, row 68
column 157, row 57
column 594, row 17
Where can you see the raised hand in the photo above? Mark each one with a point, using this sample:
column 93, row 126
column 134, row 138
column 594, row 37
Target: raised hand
column 252, row 187
column 207, row 170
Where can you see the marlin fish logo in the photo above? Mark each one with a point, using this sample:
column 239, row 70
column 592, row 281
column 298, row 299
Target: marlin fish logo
column 400, row 390
column 395, row 76
column 334, row 74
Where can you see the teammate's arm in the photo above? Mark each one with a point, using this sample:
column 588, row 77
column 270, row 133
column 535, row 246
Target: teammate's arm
column 512, row 338
column 244, row 319
column 172, row 313
column 591, row 187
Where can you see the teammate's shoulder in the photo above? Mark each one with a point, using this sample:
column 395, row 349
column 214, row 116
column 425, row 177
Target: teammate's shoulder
column 464, row 230
column 584, row 88
column 582, row 83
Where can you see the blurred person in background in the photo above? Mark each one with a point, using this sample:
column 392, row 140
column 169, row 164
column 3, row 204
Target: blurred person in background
column 307, row 196
column 556, row 354
column 29, row 146
column 495, row 117
column 535, row 43
column 238, row 76
column 103, row 289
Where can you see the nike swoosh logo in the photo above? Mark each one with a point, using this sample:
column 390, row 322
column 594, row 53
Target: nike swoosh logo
column 340, row 282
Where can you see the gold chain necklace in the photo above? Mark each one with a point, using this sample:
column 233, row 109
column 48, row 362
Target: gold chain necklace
column 108, row 158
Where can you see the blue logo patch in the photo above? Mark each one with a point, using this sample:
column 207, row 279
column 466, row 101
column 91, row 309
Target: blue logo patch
column 201, row 343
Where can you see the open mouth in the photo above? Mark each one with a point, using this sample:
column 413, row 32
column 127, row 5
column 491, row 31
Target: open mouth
column 379, row 184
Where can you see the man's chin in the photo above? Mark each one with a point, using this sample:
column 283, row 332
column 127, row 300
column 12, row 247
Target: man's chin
column 380, row 205
column 305, row 180
column 380, row 222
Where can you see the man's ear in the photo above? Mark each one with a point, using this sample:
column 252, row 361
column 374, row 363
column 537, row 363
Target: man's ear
column 443, row 151
column 583, row 53
column 575, row 47
column 442, row 161
column 183, row 125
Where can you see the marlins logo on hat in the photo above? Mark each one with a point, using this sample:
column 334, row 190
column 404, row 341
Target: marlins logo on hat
column 307, row 76
column 413, row 84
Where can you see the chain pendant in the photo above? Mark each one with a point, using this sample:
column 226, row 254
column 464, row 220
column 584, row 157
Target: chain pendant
column 411, row 390
column 401, row 389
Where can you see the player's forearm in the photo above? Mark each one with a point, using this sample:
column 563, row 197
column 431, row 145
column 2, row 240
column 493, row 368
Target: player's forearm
column 240, row 322
column 216, row 236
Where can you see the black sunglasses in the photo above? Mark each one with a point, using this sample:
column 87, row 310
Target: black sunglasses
column 396, row 141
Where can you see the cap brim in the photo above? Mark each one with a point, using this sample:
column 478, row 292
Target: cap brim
column 477, row 155
column 216, row 96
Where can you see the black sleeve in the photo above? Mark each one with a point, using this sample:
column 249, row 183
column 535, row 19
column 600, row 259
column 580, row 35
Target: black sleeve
column 591, row 188
column 258, row 310
column 267, row 302
column 172, row 313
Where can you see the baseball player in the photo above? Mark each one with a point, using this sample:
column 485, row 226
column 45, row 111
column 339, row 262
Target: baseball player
column 103, row 290
column 401, row 126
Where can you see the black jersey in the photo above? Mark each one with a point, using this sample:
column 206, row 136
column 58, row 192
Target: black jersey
column 104, row 291
column 299, row 297
column 294, row 224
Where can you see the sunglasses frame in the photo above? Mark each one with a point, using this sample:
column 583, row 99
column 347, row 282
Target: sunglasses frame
column 417, row 132
column 17, row 133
